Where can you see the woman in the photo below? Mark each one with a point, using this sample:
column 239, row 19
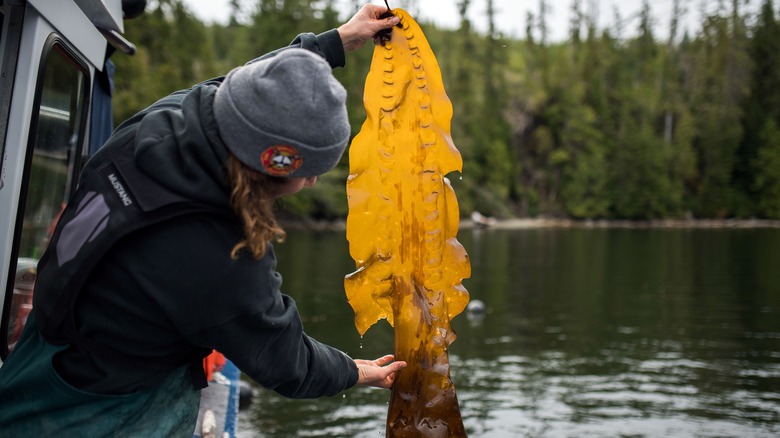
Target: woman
column 165, row 253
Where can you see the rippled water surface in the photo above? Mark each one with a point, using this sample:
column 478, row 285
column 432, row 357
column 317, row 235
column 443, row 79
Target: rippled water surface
column 589, row 333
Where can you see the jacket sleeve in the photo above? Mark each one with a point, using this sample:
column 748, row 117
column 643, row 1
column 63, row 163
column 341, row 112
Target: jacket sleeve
column 327, row 44
column 237, row 308
column 271, row 347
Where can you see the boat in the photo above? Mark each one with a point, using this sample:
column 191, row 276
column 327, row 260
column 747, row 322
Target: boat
column 55, row 110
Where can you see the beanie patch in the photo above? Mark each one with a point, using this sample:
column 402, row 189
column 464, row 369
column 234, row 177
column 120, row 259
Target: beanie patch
column 281, row 160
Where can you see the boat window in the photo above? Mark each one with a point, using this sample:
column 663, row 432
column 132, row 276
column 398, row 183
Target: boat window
column 53, row 158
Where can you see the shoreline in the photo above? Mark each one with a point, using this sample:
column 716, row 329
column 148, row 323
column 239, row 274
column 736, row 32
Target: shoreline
column 512, row 224
column 532, row 223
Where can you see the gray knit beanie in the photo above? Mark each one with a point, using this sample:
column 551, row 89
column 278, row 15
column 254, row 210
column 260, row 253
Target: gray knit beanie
column 284, row 115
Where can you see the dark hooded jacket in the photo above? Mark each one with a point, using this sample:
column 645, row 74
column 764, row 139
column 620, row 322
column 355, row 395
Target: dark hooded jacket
column 172, row 289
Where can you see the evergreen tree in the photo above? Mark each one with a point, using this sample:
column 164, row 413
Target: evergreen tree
column 584, row 184
column 720, row 83
column 463, row 74
column 493, row 155
column 174, row 52
column 757, row 168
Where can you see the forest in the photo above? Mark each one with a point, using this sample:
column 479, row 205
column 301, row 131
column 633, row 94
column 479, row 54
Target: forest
column 612, row 123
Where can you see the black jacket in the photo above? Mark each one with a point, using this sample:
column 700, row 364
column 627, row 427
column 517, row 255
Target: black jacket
column 171, row 290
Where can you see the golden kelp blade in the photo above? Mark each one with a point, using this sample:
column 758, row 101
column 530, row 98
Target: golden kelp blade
column 402, row 226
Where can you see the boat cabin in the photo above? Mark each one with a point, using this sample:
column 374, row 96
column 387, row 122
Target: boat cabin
column 55, row 76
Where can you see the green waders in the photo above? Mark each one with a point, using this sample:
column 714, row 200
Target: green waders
column 36, row 401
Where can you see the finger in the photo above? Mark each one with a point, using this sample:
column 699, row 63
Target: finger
column 392, row 21
column 397, row 366
column 391, row 370
column 380, row 9
column 384, row 360
column 374, row 11
column 384, row 32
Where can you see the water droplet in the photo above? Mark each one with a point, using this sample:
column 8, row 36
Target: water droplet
column 343, row 395
column 461, row 178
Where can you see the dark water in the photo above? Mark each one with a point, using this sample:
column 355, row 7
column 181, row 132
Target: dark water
column 589, row 333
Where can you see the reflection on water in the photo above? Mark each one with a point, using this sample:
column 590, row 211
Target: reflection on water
column 599, row 333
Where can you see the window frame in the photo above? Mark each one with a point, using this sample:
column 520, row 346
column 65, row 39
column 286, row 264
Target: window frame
column 53, row 42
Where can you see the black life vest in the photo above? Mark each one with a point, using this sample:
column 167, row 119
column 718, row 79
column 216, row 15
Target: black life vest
column 112, row 201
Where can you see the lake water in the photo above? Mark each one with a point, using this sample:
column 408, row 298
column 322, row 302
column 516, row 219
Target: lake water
column 589, row 333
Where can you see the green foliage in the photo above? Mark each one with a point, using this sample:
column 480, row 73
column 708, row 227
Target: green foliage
column 584, row 178
column 600, row 126
column 767, row 166
column 640, row 186
column 174, row 52
column 757, row 154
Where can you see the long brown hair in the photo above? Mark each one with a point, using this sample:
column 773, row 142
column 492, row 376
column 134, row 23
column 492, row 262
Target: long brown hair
column 252, row 200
